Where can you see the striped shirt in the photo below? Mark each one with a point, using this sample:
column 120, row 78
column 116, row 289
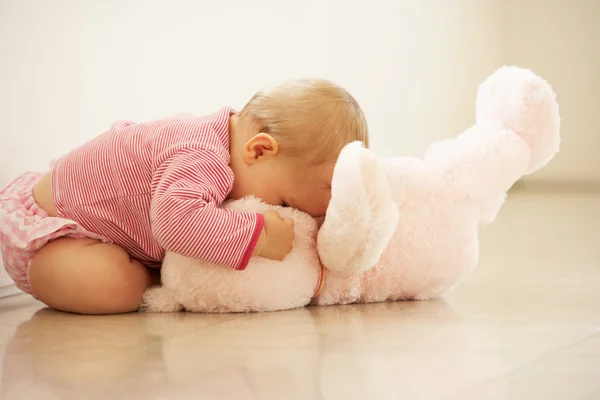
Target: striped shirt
column 157, row 186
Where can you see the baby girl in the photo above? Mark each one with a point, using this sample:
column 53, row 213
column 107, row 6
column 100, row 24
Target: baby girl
column 84, row 236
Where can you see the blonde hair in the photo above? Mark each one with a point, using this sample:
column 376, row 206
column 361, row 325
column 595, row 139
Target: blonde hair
column 312, row 119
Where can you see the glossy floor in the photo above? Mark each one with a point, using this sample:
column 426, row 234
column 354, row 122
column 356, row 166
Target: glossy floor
column 524, row 325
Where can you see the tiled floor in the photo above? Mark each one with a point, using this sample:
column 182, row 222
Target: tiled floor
column 525, row 325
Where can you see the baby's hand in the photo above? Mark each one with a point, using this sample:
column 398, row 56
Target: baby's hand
column 277, row 237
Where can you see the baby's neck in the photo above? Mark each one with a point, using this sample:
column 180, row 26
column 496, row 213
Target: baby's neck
column 235, row 151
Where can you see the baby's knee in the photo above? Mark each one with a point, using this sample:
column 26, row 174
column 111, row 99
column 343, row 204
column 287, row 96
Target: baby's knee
column 125, row 292
column 107, row 296
column 76, row 275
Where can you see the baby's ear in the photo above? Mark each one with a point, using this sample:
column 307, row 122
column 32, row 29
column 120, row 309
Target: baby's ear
column 259, row 147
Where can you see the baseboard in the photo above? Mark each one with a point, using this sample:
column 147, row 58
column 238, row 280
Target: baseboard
column 550, row 186
column 7, row 291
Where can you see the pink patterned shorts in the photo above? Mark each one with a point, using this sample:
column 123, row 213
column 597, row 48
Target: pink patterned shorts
column 25, row 228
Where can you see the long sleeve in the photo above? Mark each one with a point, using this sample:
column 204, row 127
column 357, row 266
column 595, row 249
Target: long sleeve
column 185, row 217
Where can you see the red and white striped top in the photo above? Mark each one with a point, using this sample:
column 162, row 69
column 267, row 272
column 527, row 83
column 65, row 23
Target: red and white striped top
column 157, row 186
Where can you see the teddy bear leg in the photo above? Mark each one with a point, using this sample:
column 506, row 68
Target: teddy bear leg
column 160, row 299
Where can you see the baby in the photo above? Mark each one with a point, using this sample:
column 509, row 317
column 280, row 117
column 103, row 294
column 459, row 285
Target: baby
column 84, row 237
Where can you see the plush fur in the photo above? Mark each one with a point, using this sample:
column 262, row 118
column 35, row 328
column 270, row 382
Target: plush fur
column 396, row 228
column 264, row 285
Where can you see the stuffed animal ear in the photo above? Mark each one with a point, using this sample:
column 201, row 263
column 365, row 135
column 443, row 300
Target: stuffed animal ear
column 361, row 217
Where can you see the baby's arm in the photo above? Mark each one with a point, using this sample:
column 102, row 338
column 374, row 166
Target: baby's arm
column 187, row 190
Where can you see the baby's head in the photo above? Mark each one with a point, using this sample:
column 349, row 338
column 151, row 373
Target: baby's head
column 286, row 140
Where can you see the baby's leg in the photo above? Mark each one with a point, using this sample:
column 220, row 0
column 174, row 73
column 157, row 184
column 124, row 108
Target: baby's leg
column 87, row 276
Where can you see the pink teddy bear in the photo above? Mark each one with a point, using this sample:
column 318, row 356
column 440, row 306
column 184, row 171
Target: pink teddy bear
column 397, row 228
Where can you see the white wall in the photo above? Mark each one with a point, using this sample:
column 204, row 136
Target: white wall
column 69, row 68
column 4, row 278
column 560, row 40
